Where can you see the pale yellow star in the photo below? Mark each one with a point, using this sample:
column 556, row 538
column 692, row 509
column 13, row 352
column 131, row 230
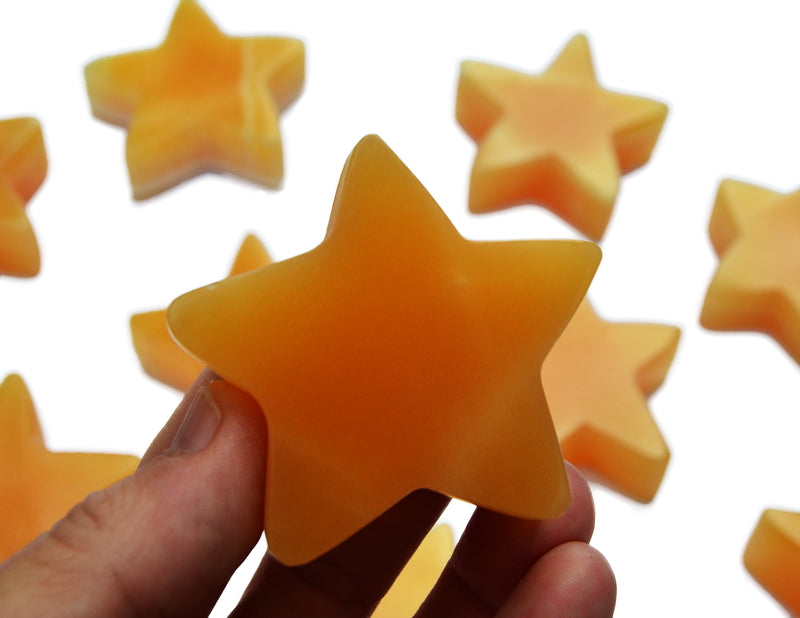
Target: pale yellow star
column 38, row 486
column 597, row 380
column 201, row 101
column 756, row 233
column 557, row 139
column 23, row 166
column 772, row 556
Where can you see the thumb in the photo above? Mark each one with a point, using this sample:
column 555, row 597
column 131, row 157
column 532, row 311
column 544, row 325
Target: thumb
column 164, row 541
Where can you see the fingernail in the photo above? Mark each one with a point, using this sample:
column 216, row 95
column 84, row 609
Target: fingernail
column 199, row 425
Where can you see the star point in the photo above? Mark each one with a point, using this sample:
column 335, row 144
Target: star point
column 23, row 166
column 772, row 556
column 201, row 101
column 557, row 139
column 38, row 486
column 162, row 358
column 396, row 355
column 597, row 380
column 756, row 287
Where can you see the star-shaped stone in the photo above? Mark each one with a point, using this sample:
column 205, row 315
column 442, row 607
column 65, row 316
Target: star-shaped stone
column 557, row 139
column 756, row 234
column 37, row 486
column 597, row 380
column 160, row 356
column 396, row 355
column 201, row 101
column 772, row 556
column 419, row 576
column 23, row 166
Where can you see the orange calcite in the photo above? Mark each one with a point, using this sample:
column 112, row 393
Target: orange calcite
column 772, row 557
column 395, row 355
column 556, row 139
column 23, row 166
column 756, row 234
column 201, row 101
column 37, row 486
column 419, row 576
column 160, row 356
column 597, row 380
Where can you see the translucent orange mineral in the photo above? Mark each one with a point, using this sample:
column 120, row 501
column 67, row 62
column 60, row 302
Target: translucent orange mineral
column 38, row 486
column 772, row 556
column 201, row 101
column 597, row 380
column 557, row 139
column 396, row 355
column 756, row 234
column 160, row 356
column 23, row 166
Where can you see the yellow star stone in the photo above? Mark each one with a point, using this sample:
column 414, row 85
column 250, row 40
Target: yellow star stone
column 419, row 576
column 597, row 380
column 37, row 486
column 396, row 355
column 772, row 556
column 23, row 166
column 756, row 234
column 557, row 139
column 201, row 101
column 160, row 356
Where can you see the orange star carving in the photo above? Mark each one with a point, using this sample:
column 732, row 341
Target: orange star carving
column 772, row 556
column 201, row 101
column 23, row 166
column 395, row 355
column 756, row 234
column 37, row 486
column 557, row 139
column 160, row 356
column 597, row 380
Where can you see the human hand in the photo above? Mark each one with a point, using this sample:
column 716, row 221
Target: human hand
column 166, row 540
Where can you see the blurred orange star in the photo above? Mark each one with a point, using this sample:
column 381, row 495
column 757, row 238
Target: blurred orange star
column 160, row 356
column 557, row 139
column 396, row 355
column 23, row 166
column 37, row 486
column 597, row 380
column 756, row 234
column 419, row 576
column 201, row 101
column 772, row 556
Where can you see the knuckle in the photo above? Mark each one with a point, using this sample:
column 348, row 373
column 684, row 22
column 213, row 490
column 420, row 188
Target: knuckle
column 85, row 522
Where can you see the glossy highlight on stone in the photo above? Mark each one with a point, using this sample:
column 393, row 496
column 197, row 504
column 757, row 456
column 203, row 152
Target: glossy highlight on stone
column 772, row 556
column 597, row 380
column 557, row 139
column 162, row 358
column 756, row 234
column 38, row 486
column 23, row 167
column 201, row 101
column 395, row 355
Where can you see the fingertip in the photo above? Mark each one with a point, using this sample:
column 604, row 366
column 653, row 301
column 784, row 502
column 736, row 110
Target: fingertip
column 579, row 518
column 573, row 579
column 165, row 437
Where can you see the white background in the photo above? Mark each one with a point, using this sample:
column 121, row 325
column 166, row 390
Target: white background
column 729, row 72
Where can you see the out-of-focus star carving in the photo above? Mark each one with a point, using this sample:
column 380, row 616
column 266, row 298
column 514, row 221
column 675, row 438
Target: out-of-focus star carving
column 201, row 101
column 557, row 139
